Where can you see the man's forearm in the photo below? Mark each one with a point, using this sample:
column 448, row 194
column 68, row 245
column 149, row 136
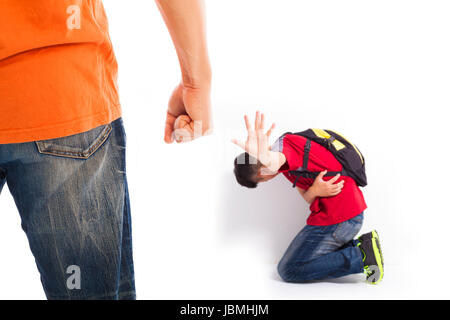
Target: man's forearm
column 185, row 20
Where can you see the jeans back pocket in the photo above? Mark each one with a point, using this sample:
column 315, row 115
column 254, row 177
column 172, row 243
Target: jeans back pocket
column 79, row 146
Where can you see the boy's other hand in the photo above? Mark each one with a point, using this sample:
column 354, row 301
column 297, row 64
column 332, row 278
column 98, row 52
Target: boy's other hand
column 322, row 188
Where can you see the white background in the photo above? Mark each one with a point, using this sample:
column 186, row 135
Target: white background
column 377, row 71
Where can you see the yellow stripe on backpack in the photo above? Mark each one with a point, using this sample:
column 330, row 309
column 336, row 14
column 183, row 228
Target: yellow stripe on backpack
column 354, row 147
column 323, row 134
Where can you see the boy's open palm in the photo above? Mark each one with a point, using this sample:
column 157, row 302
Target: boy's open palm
column 257, row 143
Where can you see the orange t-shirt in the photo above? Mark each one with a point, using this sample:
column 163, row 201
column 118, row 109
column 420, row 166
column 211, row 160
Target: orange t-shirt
column 58, row 72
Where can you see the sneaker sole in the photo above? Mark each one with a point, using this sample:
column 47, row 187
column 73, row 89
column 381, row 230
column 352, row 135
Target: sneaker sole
column 378, row 255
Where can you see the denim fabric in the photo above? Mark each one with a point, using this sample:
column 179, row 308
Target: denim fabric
column 323, row 252
column 72, row 196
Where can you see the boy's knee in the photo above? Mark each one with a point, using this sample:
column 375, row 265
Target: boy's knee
column 290, row 273
column 285, row 271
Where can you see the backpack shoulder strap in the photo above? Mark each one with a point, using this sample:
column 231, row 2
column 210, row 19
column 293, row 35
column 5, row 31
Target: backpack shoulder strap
column 306, row 151
column 304, row 170
column 305, row 173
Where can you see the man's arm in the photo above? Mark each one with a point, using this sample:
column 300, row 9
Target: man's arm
column 321, row 188
column 190, row 101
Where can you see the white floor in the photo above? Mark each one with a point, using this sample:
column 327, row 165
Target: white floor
column 235, row 260
column 264, row 284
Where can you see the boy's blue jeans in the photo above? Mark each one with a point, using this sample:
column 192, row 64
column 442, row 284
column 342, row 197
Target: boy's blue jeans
column 72, row 196
column 323, row 252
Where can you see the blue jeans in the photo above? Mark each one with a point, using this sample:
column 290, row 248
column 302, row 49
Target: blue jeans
column 323, row 252
column 72, row 196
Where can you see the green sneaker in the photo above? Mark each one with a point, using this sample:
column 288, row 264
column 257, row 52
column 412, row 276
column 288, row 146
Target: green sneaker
column 369, row 244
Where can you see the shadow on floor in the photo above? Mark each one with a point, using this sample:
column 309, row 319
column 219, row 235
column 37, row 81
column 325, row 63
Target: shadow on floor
column 273, row 213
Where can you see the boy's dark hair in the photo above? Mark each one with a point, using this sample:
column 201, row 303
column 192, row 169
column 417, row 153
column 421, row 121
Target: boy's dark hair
column 246, row 169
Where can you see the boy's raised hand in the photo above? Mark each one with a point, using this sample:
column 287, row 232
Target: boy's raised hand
column 257, row 143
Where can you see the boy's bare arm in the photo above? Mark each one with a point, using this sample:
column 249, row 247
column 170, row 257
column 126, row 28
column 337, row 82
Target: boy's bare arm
column 308, row 195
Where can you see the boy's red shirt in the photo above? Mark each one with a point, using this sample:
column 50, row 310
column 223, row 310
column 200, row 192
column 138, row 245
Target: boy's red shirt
column 324, row 211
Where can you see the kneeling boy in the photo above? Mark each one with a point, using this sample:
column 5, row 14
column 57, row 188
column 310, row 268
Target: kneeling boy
column 325, row 248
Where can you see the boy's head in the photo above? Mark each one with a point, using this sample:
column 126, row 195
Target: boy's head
column 249, row 171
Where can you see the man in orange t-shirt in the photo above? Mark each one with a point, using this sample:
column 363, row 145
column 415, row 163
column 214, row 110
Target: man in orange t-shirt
column 62, row 140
